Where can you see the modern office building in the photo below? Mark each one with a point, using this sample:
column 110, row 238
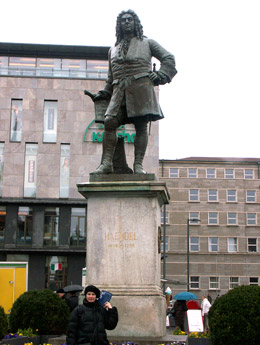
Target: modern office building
column 49, row 143
column 214, row 208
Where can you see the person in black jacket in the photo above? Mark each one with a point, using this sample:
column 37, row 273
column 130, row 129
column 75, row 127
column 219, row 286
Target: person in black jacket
column 73, row 300
column 178, row 311
column 89, row 321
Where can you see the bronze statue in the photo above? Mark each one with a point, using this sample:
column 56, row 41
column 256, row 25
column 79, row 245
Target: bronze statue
column 129, row 89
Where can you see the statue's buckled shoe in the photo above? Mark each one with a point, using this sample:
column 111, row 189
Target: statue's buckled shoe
column 104, row 169
column 138, row 169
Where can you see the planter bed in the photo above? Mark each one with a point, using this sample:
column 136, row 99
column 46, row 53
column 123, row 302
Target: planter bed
column 36, row 340
column 198, row 341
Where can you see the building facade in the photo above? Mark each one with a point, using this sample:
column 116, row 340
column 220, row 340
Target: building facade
column 212, row 223
column 49, row 142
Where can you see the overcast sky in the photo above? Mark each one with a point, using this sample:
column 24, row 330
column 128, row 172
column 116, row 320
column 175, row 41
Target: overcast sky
column 212, row 106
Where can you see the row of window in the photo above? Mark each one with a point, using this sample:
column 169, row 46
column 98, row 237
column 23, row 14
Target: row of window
column 210, row 173
column 213, row 218
column 231, row 195
column 56, row 68
column 214, row 282
column 24, row 235
column 30, row 170
column 213, row 244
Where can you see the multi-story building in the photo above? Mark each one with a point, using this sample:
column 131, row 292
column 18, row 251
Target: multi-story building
column 49, row 143
column 212, row 223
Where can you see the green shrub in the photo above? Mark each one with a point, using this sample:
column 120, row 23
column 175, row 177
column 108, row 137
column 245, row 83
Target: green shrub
column 234, row 318
column 40, row 310
column 3, row 323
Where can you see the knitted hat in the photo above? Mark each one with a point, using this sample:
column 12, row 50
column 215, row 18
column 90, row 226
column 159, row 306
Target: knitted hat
column 92, row 288
column 60, row 291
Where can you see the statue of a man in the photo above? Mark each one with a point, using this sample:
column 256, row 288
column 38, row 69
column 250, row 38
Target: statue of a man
column 130, row 88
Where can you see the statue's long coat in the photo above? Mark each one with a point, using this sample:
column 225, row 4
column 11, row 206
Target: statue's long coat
column 128, row 80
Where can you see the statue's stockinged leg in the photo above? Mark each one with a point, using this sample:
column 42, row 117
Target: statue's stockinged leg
column 140, row 145
column 109, row 146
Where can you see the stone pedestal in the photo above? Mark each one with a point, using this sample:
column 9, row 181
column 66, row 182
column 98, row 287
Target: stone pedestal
column 123, row 251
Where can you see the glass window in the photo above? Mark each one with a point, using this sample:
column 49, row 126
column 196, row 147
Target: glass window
column 22, row 66
column 251, row 218
column 166, row 244
column 4, row 65
column 213, row 244
column 233, row 282
column 166, row 217
column 174, row 173
column 194, row 244
column 2, row 146
column 64, row 171
column 232, row 244
column 50, row 121
column 49, row 67
column 212, row 195
column 16, row 120
column 250, row 196
column 194, row 218
column 75, row 68
column 30, row 175
column 232, row 218
column 231, row 195
column 214, row 283
column 55, row 272
column 253, row 281
column 25, row 216
column 249, row 174
column 211, row 173
column 2, row 224
column 78, row 227
column 194, row 282
column 252, row 245
column 193, row 195
column 51, row 227
column 192, row 173
column 229, row 173
column 213, row 218
column 97, row 69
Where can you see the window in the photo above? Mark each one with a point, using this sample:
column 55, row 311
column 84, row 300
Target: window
column 233, row 282
column 251, row 218
column 232, row 244
column 194, row 244
column 193, row 195
column 211, row 173
column 231, row 195
column 166, row 217
column 174, row 173
column 213, row 244
column 213, row 218
column 64, row 171
column 16, row 120
column 25, row 216
column 229, row 173
column 2, row 146
column 232, row 218
column 213, row 283
column 250, row 196
column 50, row 121
column 51, row 227
column 162, row 244
column 194, row 218
column 252, row 245
column 194, row 282
column 97, row 68
column 78, row 227
column 56, row 272
column 22, row 65
column 75, row 68
column 192, row 172
column 212, row 195
column 249, row 174
column 30, row 174
column 2, row 224
column 48, row 67
column 253, row 281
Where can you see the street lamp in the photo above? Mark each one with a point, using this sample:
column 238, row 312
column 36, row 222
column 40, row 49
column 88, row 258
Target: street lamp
column 188, row 249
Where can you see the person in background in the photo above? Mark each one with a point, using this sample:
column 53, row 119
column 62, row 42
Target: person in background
column 209, row 298
column 72, row 300
column 61, row 293
column 178, row 311
column 89, row 321
column 205, row 306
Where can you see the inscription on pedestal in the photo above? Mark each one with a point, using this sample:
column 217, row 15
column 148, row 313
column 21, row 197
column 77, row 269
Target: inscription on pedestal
column 120, row 239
